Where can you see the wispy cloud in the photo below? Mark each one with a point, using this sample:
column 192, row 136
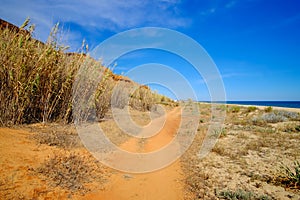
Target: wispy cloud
column 112, row 15
column 218, row 5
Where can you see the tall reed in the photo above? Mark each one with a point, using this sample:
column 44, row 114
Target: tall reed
column 37, row 81
column 35, row 78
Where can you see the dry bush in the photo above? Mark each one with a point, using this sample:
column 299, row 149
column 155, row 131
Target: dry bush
column 142, row 99
column 54, row 134
column 69, row 170
column 120, row 95
column 58, row 139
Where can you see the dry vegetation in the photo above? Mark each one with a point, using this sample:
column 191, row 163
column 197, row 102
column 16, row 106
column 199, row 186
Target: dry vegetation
column 250, row 160
column 37, row 80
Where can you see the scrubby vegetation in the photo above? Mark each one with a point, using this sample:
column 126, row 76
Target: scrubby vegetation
column 69, row 170
column 64, row 137
column 242, row 195
column 250, row 160
column 234, row 109
column 268, row 109
column 37, row 80
column 275, row 117
column 251, row 109
column 291, row 175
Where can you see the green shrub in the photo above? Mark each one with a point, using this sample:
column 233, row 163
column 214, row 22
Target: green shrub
column 234, row 109
column 268, row 109
column 251, row 108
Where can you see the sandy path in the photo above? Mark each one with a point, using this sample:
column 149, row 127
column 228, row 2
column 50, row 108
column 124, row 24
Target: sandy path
column 163, row 184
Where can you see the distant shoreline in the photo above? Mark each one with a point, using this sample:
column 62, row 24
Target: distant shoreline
column 281, row 104
column 237, row 103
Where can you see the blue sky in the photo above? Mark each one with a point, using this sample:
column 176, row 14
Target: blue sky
column 254, row 43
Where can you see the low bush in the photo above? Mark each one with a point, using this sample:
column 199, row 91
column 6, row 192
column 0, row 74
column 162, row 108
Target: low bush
column 242, row 195
column 268, row 109
column 143, row 99
column 275, row 117
column 251, row 109
column 234, row 109
column 68, row 170
column 288, row 114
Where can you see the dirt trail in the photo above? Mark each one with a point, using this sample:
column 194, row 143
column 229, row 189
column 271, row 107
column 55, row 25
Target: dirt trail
column 163, row 184
column 20, row 156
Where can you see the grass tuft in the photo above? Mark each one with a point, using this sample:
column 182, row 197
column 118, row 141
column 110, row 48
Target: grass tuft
column 291, row 177
column 242, row 195
column 69, row 170
column 251, row 109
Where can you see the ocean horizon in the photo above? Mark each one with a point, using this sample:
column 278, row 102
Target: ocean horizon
column 285, row 104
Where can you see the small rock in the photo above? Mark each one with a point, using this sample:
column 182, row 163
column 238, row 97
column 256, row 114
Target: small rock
column 127, row 176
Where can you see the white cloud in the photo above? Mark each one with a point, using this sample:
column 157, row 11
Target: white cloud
column 112, row 15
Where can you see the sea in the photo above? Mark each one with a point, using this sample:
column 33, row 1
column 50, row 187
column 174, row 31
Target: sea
column 285, row 104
